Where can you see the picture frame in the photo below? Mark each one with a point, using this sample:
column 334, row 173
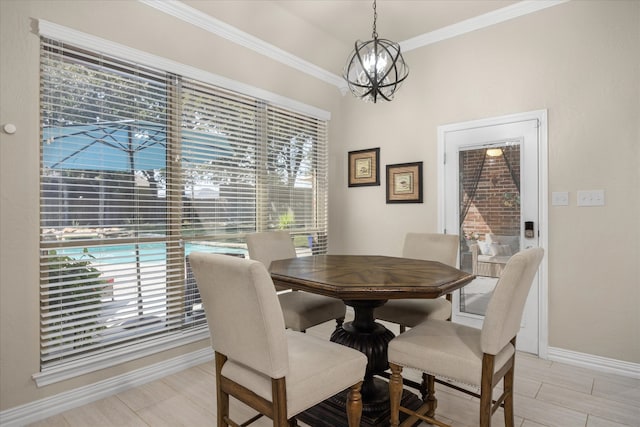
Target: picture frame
column 404, row 183
column 364, row 167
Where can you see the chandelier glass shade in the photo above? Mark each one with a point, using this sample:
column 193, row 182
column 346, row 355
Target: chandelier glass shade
column 376, row 68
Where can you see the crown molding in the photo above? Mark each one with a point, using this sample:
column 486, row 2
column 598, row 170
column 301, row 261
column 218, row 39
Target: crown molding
column 195, row 17
column 515, row 10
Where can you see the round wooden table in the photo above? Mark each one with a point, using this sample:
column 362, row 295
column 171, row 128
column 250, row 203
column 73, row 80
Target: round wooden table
column 365, row 282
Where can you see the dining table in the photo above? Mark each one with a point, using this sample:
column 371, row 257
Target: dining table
column 365, row 282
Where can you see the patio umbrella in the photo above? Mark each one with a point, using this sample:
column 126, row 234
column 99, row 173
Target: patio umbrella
column 128, row 147
column 125, row 146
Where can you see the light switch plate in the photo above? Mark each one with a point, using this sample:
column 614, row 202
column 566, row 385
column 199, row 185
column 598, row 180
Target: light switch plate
column 590, row 197
column 560, row 198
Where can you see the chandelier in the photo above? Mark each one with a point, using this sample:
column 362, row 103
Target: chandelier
column 375, row 68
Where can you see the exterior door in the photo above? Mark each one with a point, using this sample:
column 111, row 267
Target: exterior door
column 491, row 198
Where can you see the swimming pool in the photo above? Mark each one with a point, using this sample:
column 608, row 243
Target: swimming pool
column 146, row 252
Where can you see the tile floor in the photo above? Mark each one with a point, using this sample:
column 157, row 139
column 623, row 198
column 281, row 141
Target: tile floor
column 547, row 394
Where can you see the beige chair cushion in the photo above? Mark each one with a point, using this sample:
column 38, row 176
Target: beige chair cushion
column 432, row 246
column 454, row 351
column 303, row 310
column 504, row 312
column 270, row 246
column 429, row 246
column 317, row 368
column 444, row 349
column 411, row 312
column 243, row 311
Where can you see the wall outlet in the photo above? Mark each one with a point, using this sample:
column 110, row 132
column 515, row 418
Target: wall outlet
column 590, row 197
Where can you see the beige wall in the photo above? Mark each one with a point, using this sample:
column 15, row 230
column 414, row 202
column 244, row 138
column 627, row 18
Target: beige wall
column 579, row 60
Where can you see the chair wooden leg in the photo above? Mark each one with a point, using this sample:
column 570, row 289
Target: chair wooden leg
column 486, row 390
column 339, row 322
column 279, row 400
column 354, row 405
column 508, row 382
column 403, row 328
column 424, row 387
column 222, row 398
column 395, row 394
column 428, row 391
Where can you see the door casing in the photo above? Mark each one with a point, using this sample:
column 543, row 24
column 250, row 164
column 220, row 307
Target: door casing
column 541, row 117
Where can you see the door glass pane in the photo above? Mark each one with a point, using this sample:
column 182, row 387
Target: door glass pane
column 489, row 218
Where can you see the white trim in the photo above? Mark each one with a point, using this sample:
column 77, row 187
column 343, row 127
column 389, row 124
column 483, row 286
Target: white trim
column 543, row 209
column 478, row 22
column 208, row 23
column 87, row 365
column 193, row 16
column 543, row 229
column 596, row 363
column 47, row 407
column 88, row 41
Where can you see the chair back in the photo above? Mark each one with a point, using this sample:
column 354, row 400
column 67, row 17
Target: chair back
column 243, row 312
column 504, row 312
column 270, row 246
column 433, row 247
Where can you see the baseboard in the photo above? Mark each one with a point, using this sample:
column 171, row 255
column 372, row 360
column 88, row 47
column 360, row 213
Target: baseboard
column 44, row 408
column 596, row 363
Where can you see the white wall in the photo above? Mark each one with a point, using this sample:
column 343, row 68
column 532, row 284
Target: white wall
column 579, row 60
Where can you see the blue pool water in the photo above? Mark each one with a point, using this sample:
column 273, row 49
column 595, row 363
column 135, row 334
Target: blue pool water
column 147, row 252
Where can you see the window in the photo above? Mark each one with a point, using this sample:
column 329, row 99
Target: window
column 140, row 167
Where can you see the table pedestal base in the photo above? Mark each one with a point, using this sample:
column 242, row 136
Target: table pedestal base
column 372, row 339
column 332, row 412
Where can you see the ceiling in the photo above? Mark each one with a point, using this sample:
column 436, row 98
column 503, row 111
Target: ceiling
column 323, row 32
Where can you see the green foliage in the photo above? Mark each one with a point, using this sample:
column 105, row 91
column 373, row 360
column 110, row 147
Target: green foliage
column 86, row 92
column 74, row 284
column 286, row 220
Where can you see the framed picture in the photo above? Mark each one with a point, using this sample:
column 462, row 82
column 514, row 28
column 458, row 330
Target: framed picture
column 404, row 183
column 364, row 167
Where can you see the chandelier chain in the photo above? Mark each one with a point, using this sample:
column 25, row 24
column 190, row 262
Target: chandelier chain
column 375, row 18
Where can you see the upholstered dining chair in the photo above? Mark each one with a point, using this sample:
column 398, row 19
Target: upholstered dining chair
column 301, row 310
column 277, row 372
column 410, row 312
column 477, row 357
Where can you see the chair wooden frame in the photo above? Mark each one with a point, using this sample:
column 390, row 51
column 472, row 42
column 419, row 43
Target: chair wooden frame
column 488, row 406
column 277, row 408
column 473, row 350
column 278, row 373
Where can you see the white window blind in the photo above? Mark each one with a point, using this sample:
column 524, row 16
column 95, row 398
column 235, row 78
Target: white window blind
column 139, row 168
column 295, row 175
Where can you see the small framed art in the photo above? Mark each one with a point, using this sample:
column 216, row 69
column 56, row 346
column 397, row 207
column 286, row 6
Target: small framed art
column 364, row 167
column 404, row 183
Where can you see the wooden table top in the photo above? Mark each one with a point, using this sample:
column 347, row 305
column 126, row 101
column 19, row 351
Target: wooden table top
column 368, row 277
